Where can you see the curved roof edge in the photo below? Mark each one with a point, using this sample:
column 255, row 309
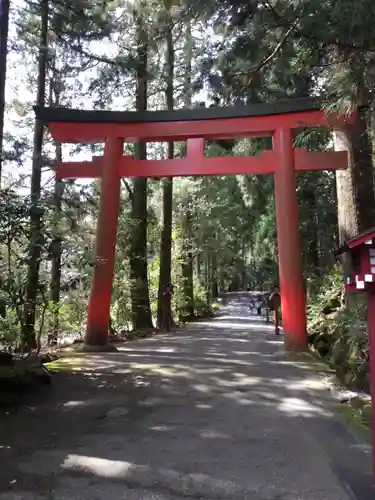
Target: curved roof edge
column 286, row 106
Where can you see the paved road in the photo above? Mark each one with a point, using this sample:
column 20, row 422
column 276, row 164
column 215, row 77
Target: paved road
column 214, row 411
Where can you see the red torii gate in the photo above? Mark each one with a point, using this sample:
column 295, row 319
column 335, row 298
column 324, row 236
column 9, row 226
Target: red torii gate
column 278, row 120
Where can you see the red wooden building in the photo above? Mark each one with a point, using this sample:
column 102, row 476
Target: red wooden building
column 360, row 273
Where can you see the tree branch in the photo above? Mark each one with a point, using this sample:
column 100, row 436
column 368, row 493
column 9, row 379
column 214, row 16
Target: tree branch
column 130, row 192
column 78, row 49
column 278, row 47
column 270, row 57
column 309, row 36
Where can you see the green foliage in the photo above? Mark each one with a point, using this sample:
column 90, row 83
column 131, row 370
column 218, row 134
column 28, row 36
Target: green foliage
column 359, row 413
column 9, row 331
column 338, row 331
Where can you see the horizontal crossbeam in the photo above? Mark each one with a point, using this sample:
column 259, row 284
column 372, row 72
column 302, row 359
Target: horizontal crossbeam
column 196, row 165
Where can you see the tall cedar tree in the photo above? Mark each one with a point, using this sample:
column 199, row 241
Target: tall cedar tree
column 187, row 251
column 4, row 28
column 141, row 310
column 164, row 314
column 35, row 238
column 55, row 88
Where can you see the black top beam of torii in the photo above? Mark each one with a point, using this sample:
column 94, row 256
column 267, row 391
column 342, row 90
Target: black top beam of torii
column 67, row 115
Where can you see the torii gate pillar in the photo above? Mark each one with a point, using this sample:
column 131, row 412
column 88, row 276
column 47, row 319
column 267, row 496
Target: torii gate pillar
column 105, row 249
column 293, row 307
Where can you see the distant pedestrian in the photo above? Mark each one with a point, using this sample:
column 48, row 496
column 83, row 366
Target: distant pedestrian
column 274, row 305
column 258, row 306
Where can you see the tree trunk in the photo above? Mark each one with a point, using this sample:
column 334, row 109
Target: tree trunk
column 213, row 279
column 309, row 196
column 141, row 310
column 140, row 298
column 333, row 186
column 56, row 252
column 243, row 264
column 355, row 186
column 207, row 275
column 164, row 297
column 198, row 261
column 36, row 237
column 187, row 265
column 54, row 101
column 4, row 27
column 187, row 269
column 362, row 171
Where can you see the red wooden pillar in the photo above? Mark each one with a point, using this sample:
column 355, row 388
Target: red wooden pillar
column 292, row 292
column 105, row 248
column 276, row 305
column 195, row 148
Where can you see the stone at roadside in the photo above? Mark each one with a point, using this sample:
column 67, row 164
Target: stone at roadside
column 20, row 374
column 48, row 357
column 6, row 359
column 33, row 367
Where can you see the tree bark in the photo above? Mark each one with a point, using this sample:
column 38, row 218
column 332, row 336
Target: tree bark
column 140, row 298
column 308, row 195
column 355, row 186
column 187, row 264
column 56, row 247
column 198, row 264
column 207, row 274
column 187, row 269
column 36, row 237
column 164, row 298
column 4, row 28
column 56, row 251
column 213, row 277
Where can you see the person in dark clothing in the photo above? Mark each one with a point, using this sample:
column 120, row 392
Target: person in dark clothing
column 274, row 305
column 258, row 305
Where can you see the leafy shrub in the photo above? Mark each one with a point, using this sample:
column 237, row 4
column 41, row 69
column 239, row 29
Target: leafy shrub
column 338, row 330
column 9, row 331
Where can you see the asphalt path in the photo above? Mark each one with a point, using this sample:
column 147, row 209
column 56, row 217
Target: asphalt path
column 215, row 410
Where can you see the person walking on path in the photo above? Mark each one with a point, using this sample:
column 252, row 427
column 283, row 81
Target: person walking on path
column 274, row 305
column 258, row 305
